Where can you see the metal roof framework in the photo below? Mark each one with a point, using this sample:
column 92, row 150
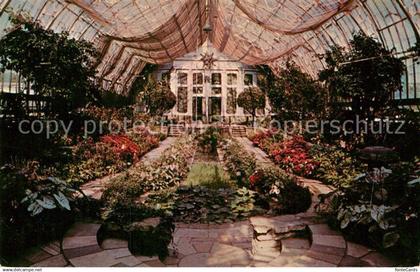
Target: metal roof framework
column 130, row 33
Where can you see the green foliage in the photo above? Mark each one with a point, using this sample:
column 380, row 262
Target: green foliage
column 381, row 208
column 407, row 145
column 168, row 171
column 269, row 83
column 91, row 161
column 335, row 166
column 244, row 203
column 252, row 99
column 150, row 240
column 13, row 105
column 42, row 192
column 148, row 231
column 239, row 164
column 17, row 146
column 294, row 94
column 294, row 198
column 157, row 97
column 281, row 190
column 110, row 99
column 269, row 179
column 274, row 186
column 57, row 66
column 20, row 230
column 50, row 193
column 141, row 80
column 367, row 75
column 205, row 205
column 210, row 175
column 112, row 115
column 209, row 140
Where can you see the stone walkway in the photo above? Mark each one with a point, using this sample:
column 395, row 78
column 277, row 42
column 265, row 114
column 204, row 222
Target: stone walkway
column 260, row 155
column 94, row 188
column 282, row 241
column 155, row 153
column 300, row 240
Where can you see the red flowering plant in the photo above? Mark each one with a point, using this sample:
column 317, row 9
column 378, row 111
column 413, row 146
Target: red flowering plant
column 265, row 139
column 259, row 137
column 144, row 139
column 293, row 156
column 254, row 179
column 92, row 160
column 123, row 146
column 279, row 190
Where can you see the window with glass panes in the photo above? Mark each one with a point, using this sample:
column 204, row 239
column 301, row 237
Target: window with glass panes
column 232, row 82
column 182, row 94
column 197, row 83
column 248, row 80
column 216, row 82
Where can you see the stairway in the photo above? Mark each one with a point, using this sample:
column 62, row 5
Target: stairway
column 300, row 240
column 238, row 131
column 176, row 130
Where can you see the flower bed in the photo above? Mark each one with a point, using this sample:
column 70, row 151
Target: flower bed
column 335, row 166
column 280, row 190
column 239, row 164
column 293, row 156
column 110, row 155
column 124, row 212
column 122, row 146
column 206, row 205
column 264, row 139
column 208, row 141
column 330, row 165
column 168, row 171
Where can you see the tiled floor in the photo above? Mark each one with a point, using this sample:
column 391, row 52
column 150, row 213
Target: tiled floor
column 257, row 242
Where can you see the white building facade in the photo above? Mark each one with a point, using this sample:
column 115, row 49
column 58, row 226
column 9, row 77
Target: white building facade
column 207, row 84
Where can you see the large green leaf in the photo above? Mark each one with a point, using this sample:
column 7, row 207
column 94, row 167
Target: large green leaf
column 413, row 182
column 47, row 203
column 62, row 200
column 346, row 220
column 35, row 208
column 390, row 239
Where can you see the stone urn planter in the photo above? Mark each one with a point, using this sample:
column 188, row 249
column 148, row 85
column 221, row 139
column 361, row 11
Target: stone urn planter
column 377, row 156
column 150, row 237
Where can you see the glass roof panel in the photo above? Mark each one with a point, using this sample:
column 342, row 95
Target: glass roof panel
column 129, row 33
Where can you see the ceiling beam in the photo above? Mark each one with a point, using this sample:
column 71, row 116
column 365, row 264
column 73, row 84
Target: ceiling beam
column 91, row 12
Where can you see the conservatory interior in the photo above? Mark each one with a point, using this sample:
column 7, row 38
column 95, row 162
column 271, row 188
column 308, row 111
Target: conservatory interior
column 208, row 133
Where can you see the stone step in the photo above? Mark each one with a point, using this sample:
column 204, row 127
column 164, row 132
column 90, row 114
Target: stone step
column 176, row 130
column 324, row 247
column 237, row 131
column 81, row 248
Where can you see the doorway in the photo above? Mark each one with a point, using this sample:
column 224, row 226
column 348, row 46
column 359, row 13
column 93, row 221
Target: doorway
column 197, row 108
column 215, row 109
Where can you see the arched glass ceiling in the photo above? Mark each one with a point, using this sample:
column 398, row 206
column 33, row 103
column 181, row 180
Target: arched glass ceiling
column 130, row 33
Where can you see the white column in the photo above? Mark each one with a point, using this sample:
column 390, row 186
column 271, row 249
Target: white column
column 174, row 88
